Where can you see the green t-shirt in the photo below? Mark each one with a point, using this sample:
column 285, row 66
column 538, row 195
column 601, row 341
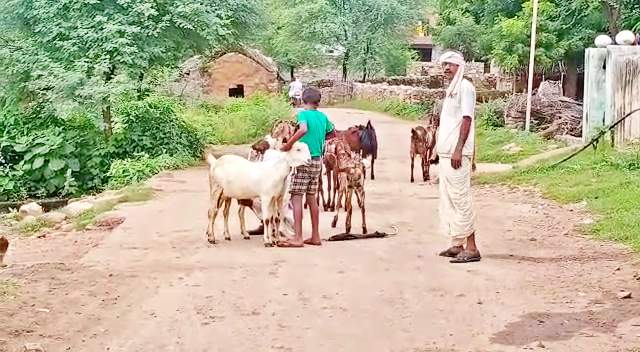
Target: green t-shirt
column 318, row 125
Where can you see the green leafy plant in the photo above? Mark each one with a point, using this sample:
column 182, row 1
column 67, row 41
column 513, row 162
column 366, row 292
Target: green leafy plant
column 490, row 115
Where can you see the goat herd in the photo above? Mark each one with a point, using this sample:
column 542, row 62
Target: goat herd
column 260, row 181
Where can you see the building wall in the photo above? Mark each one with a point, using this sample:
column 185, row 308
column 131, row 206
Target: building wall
column 233, row 69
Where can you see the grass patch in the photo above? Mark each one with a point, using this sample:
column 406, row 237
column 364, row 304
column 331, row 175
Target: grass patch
column 606, row 180
column 394, row 107
column 33, row 227
column 130, row 194
column 8, row 290
column 237, row 121
column 492, row 141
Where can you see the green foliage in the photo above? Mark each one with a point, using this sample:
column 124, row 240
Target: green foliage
column 69, row 53
column 237, row 121
column 490, row 115
column 501, row 30
column 280, row 36
column 46, row 155
column 360, row 29
column 152, row 126
column 395, row 58
column 461, row 33
column 605, row 179
column 142, row 167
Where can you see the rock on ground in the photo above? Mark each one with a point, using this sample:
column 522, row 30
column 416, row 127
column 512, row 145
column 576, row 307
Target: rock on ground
column 30, row 209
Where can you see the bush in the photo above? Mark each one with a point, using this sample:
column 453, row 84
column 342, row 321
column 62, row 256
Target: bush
column 50, row 156
column 490, row 115
column 152, row 126
column 237, row 121
column 135, row 170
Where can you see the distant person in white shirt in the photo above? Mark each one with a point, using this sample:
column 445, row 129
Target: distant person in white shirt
column 295, row 92
column 455, row 144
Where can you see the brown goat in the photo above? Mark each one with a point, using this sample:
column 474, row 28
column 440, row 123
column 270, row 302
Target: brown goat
column 4, row 247
column 423, row 142
column 351, row 178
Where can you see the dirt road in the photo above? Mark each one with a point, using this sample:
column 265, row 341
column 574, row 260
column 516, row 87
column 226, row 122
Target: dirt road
column 154, row 284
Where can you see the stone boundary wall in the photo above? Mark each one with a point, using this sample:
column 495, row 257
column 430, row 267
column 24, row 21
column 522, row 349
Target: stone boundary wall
column 340, row 92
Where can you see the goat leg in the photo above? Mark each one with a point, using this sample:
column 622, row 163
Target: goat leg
column 225, row 214
column 360, row 197
column 266, row 218
column 413, row 157
column 349, row 208
column 243, row 226
column 216, row 202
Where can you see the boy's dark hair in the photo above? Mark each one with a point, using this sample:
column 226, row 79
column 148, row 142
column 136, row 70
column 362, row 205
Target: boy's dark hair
column 311, row 96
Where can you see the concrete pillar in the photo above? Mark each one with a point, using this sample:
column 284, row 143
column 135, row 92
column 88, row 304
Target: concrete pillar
column 595, row 99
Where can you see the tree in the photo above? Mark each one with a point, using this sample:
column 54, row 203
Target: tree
column 359, row 29
column 90, row 52
column 280, row 36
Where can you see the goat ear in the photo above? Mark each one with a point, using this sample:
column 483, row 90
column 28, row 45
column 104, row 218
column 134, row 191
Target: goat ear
column 413, row 132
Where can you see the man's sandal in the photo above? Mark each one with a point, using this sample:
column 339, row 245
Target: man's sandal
column 466, row 257
column 452, row 252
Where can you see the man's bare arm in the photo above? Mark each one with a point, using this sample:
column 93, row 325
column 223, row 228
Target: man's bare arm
column 465, row 128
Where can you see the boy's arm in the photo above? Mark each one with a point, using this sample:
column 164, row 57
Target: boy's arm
column 331, row 131
column 302, row 130
column 296, row 136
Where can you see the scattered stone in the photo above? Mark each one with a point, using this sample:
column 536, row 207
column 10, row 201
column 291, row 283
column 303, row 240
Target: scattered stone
column 624, row 294
column 540, row 345
column 512, row 148
column 54, row 217
column 618, row 268
column 587, row 221
column 109, row 220
column 636, row 276
column 43, row 310
column 30, row 209
column 28, row 220
column 533, row 239
column 77, row 208
column 67, row 227
column 33, row 347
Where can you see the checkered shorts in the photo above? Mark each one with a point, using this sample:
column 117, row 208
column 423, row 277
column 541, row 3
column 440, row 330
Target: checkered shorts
column 305, row 180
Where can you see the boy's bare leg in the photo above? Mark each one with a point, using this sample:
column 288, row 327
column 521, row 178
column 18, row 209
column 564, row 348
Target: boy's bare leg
column 314, row 211
column 296, row 199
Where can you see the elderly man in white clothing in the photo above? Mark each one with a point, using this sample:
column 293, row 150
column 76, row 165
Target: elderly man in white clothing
column 455, row 143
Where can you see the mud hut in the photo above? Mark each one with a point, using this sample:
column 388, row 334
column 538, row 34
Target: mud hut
column 241, row 73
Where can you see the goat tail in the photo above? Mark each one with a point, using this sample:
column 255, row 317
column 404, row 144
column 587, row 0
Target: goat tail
column 211, row 160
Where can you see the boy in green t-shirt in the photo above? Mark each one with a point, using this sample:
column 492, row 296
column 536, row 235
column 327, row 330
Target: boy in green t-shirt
column 313, row 128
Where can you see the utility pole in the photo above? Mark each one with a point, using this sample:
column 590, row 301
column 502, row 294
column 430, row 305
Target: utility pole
column 532, row 59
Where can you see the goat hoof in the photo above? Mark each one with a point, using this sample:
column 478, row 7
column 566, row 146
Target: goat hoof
column 412, row 181
column 228, row 238
column 364, row 230
column 247, row 237
column 268, row 244
column 211, row 241
column 334, row 223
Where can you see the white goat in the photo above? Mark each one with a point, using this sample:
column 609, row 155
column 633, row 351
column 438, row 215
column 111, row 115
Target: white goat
column 234, row 177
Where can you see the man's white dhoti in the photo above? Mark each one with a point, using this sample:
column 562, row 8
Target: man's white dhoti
column 456, row 209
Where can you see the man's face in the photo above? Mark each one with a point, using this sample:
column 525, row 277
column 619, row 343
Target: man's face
column 450, row 69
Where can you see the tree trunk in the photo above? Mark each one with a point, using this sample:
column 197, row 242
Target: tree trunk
column 107, row 119
column 612, row 13
column 571, row 82
column 106, row 106
column 345, row 63
column 365, row 64
column 292, row 71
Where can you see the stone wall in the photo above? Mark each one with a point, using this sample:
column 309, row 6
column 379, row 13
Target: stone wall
column 472, row 69
column 339, row 92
